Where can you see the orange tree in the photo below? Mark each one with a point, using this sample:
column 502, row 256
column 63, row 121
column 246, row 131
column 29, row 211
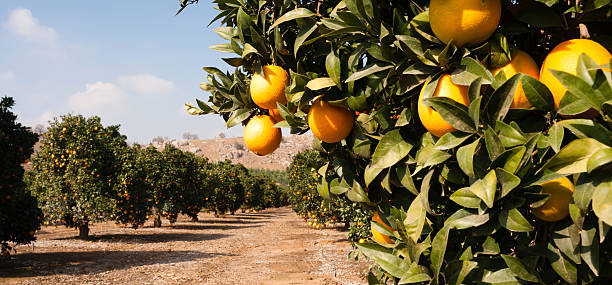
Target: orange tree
column 75, row 172
column 227, row 189
column 481, row 168
column 135, row 188
column 253, row 192
column 20, row 215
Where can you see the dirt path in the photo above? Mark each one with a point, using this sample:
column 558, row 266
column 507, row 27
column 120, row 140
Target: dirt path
column 268, row 247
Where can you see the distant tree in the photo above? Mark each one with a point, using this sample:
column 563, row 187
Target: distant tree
column 75, row 172
column 159, row 139
column 190, row 136
column 221, row 135
column 20, row 216
column 40, row 129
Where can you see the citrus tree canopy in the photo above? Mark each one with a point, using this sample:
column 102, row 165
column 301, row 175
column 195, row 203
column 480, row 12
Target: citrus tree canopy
column 455, row 121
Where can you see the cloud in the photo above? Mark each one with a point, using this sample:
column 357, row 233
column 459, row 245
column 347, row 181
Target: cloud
column 146, row 84
column 22, row 24
column 101, row 98
column 7, row 76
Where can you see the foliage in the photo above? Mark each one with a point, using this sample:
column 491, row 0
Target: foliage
column 279, row 176
column 75, row 172
column 227, row 190
column 461, row 203
column 20, row 216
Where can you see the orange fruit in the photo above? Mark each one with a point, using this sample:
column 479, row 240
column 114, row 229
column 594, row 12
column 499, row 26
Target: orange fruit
column 269, row 89
column 556, row 207
column 376, row 234
column 329, row 123
column 524, row 63
column 564, row 57
column 260, row 135
column 431, row 119
column 464, row 22
column 275, row 115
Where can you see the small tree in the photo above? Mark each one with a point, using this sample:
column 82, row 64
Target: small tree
column 190, row 136
column 135, row 190
column 20, row 216
column 227, row 191
column 75, row 171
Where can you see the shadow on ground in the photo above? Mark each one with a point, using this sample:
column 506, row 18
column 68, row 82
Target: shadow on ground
column 150, row 238
column 89, row 262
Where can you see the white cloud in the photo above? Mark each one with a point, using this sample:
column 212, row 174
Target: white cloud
column 146, row 84
column 101, row 98
column 22, row 24
column 7, row 76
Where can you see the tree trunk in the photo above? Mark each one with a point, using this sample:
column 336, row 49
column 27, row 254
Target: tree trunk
column 157, row 221
column 194, row 219
column 84, row 231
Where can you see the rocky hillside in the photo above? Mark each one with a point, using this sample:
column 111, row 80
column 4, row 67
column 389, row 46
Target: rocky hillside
column 219, row 149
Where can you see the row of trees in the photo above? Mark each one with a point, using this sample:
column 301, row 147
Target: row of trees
column 321, row 211
column 85, row 172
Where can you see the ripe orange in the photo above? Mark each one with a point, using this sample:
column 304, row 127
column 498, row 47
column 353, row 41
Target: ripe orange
column 268, row 89
column 431, row 119
column 556, row 207
column 376, row 234
column 521, row 62
column 464, row 22
column 275, row 115
column 329, row 123
column 260, row 135
column 564, row 57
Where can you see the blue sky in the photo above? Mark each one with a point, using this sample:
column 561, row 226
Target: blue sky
column 132, row 63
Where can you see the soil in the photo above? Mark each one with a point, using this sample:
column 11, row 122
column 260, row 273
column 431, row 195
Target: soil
column 266, row 247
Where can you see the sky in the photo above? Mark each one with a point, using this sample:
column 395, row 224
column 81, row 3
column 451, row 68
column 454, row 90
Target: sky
column 132, row 63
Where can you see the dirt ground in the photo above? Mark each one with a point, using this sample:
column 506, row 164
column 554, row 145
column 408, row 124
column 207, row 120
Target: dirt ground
column 267, row 247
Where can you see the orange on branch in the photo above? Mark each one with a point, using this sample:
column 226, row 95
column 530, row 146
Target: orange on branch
column 431, row 119
column 564, row 57
column 269, row 89
column 329, row 123
column 556, row 208
column 521, row 62
column 464, row 22
column 260, row 135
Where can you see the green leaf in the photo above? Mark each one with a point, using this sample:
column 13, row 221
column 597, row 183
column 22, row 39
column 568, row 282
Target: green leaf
column 485, row 188
column 227, row 33
column 222, row 48
column 507, row 180
column 405, row 178
column 428, row 156
column 490, row 246
column 466, row 198
column 465, row 158
column 463, row 219
column 573, row 158
column 237, row 117
column 332, row 65
column 392, row 148
column 589, row 249
column 356, row 194
column 581, row 89
column 510, row 159
column 451, row 140
column 415, row 274
column 599, row 159
column 508, row 135
column 320, row 83
column 323, row 189
column 567, row 238
column 292, row 15
column 415, row 219
column 470, row 70
column 493, row 143
column 498, row 104
column 565, row 268
column 503, row 276
column 537, row 93
column 453, row 112
column 438, row 249
column 514, row 221
column 585, row 128
column 459, row 269
column 555, row 137
column 302, row 36
column 370, row 174
column 602, row 202
column 367, row 70
column 519, row 269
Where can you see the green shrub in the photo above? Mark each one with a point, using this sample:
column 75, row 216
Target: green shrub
column 20, row 216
